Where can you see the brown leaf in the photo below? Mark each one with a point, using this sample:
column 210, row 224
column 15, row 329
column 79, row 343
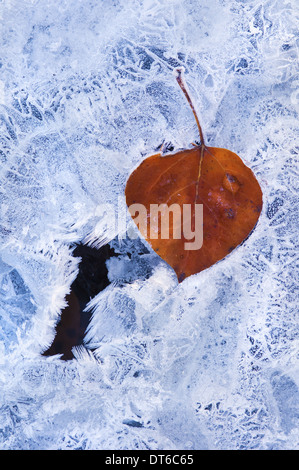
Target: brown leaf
column 214, row 177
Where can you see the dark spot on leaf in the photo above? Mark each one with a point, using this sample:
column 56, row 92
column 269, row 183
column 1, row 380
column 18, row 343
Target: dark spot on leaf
column 230, row 213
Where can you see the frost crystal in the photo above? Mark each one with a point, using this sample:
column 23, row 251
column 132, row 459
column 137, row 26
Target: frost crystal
column 86, row 92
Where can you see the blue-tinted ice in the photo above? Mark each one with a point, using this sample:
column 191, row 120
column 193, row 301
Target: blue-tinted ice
column 87, row 92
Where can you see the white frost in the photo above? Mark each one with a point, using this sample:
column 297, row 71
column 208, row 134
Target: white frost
column 86, row 93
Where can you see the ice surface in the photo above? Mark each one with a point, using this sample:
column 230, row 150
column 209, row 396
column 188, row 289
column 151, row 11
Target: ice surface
column 87, row 92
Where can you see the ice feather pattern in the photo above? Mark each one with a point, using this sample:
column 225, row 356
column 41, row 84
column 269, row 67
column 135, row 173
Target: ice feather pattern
column 85, row 96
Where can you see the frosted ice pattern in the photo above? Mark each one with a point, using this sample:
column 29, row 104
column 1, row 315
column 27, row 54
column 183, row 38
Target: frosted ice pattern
column 87, row 92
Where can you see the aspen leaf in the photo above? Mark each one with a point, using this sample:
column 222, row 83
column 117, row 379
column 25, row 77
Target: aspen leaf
column 214, row 179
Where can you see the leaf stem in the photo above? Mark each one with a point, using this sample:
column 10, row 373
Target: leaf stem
column 179, row 72
column 180, row 79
